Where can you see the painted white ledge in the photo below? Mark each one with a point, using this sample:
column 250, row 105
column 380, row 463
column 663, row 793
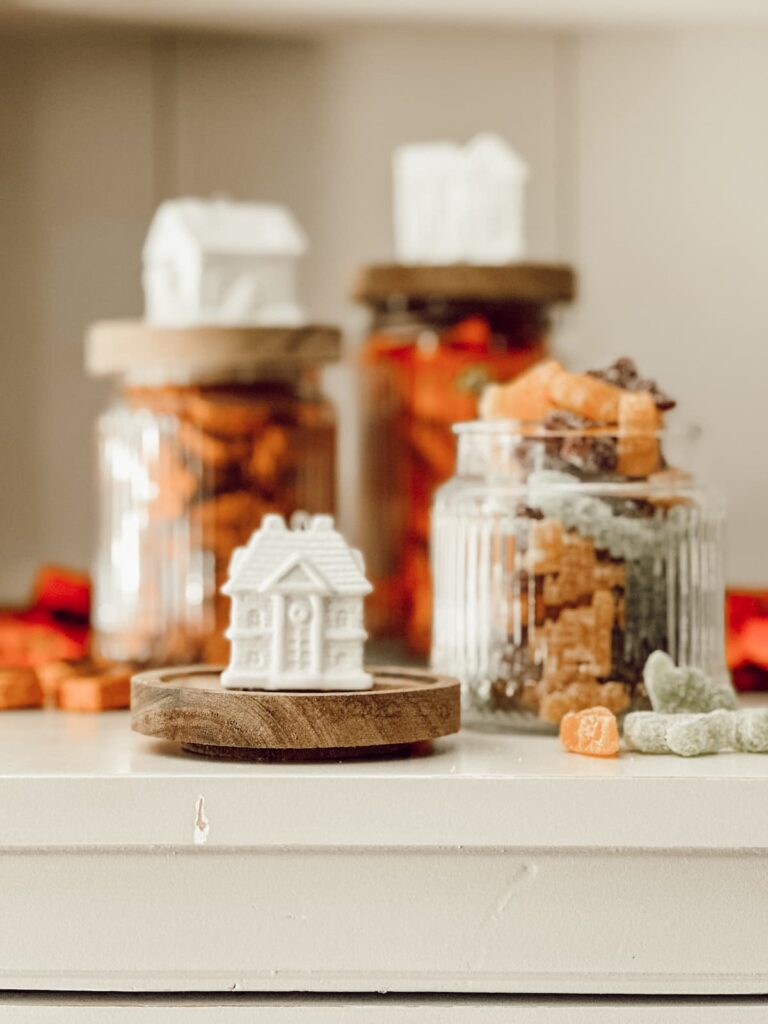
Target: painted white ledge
column 498, row 865
column 70, row 780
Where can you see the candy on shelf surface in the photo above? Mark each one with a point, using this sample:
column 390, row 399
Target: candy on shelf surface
column 296, row 621
column 690, row 735
column 19, row 688
column 105, row 689
column 673, row 690
column 55, row 624
column 593, row 732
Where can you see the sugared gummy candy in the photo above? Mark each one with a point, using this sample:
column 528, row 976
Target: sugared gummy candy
column 674, row 690
column 593, row 732
column 692, row 735
column 752, row 730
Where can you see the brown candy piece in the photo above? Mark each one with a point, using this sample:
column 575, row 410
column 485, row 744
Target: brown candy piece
column 226, row 415
column 211, row 450
column 53, row 673
column 579, row 695
column 269, row 455
column 19, row 688
column 106, row 691
column 545, row 546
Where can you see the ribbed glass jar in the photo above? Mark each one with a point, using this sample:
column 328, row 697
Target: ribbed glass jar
column 553, row 584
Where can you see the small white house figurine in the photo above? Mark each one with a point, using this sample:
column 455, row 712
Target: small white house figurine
column 297, row 610
column 215, row 261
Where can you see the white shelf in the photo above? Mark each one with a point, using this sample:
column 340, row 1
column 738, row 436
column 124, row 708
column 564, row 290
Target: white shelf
column 501, row 864
column 86, row 780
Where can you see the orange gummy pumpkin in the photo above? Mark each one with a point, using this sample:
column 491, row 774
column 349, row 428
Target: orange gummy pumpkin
column 593, row 732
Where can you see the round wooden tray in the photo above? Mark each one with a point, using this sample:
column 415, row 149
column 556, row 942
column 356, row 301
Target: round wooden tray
column 406, row 707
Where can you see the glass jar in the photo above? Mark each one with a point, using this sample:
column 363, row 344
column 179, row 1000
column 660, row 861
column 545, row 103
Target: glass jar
column 553, row 584
column 438, row 335
column 211, row 429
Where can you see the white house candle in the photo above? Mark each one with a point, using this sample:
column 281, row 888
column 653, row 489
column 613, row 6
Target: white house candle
column 296, row 621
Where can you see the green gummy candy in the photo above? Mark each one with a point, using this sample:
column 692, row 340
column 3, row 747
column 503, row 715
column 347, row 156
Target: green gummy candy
column 651, row 732
column 692, row 735
column 752, row 731
column 673, row 690
column 646, row 731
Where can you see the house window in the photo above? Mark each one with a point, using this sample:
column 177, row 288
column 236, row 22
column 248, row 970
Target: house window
column 256, row 658
column 341, row 658
column 342, row 618
column 256, row 616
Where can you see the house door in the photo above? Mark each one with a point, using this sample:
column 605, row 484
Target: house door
column 298, row 633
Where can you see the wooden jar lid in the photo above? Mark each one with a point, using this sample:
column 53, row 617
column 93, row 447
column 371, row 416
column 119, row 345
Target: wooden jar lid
column 189, row 706
column 538, row 283
column 119, row 346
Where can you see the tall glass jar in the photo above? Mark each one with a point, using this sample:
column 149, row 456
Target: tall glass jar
column 211, row 428
column 553, row 585
column 438, row 335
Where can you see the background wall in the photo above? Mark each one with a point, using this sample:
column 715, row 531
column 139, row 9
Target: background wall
column 649, row 173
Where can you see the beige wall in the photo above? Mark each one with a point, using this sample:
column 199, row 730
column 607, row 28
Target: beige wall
column 671, row 200
column 649, row 171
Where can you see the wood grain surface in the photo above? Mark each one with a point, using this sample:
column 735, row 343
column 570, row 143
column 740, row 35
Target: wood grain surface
column 540, row 283
column 189, row 706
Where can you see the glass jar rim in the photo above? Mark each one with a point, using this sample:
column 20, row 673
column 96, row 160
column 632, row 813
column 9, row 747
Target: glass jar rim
column 535, row 430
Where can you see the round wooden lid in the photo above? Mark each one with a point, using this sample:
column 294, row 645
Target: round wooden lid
column 189, row 706
column 540, row 283
column 119, row 346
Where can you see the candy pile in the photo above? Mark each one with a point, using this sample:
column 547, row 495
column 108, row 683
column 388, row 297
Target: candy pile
column 588, row 601
column 81, row 685
column 43, row 650
column 417, row 385
column 55, row 623
column 692, row 715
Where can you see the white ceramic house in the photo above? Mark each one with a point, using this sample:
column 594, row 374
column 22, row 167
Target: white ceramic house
column 215, row 261
column 297, row 610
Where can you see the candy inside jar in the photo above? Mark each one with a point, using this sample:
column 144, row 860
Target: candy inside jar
column 567, row 548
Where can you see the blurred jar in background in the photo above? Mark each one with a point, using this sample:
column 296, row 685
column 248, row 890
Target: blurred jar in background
column 212, row 427
column 438, row 335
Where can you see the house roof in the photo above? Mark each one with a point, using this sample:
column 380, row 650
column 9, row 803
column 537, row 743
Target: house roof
column 223, row 226
column 274, row 548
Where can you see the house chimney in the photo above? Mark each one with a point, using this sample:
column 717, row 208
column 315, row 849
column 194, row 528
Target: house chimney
column 273, row 522
column 321, row 523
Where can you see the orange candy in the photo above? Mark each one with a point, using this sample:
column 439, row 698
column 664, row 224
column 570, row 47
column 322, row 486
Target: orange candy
column 19, row 688
column 639, row 422
column 103, row 692
column 590, row 397
column 525, row 398
column 593, row 732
